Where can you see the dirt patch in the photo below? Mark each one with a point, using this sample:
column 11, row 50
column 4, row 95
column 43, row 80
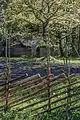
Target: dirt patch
column 19, row 68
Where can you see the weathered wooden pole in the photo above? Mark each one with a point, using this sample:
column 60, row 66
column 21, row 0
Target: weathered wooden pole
column 49, row 73
column 67, row 73
column 8, row 72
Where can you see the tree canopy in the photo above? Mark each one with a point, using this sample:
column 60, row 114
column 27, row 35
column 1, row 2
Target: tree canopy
column 54, row 17
column 21, row 13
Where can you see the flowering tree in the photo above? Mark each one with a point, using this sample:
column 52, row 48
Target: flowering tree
column 50, row 17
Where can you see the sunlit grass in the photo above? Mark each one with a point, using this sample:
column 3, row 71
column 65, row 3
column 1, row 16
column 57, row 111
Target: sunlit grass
column 44, row 59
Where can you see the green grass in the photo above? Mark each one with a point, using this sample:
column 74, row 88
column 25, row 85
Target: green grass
column 72, row 60
column 13, row 114
column 20, row 58
column 53, row 60
column 57, row 115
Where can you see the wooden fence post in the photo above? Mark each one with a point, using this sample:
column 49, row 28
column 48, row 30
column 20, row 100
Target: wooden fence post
column 49, row 95
column 8, row 77
column 68, row 99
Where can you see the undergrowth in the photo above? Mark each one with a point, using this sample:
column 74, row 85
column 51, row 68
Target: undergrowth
column 57, row 115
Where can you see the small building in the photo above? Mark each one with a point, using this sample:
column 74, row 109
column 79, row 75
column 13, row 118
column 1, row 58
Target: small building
column 24, row 47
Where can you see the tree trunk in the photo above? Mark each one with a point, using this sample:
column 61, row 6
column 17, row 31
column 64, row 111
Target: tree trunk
column 79, row 42
column 74, row 52
column 61, row 48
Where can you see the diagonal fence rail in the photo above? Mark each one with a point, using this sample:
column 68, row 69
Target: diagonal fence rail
column 41, row 94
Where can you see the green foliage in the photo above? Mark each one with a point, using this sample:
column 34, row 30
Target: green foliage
column 20, row 14
column 57, row 115
column 52, row 18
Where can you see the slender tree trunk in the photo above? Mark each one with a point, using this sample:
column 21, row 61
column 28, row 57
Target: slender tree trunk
column 61, row 48
column 74, row 53
column 79, row 42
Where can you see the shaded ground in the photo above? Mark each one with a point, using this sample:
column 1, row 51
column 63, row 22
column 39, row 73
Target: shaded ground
column 19, row 68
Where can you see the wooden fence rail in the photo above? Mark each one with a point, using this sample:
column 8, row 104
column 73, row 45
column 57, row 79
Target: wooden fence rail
column 40, row 94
